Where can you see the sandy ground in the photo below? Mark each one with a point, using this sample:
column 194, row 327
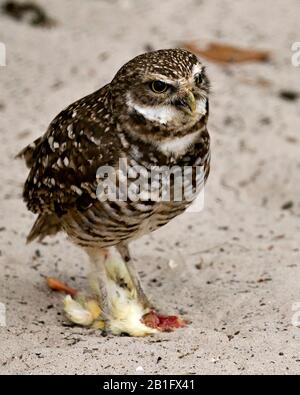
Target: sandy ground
column 238, row 261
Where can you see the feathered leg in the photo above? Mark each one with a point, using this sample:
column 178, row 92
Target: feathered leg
column 125, row 254
column 97, row 276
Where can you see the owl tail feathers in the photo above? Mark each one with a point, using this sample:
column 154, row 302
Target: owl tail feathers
column 45, row 225
column 28, row 153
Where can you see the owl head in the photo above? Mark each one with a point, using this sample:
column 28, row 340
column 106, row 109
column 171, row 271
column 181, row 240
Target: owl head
column 166, row 88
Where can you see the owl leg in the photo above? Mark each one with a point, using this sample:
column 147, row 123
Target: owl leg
column 90, row 309
column 125, row 254
column 97, row 276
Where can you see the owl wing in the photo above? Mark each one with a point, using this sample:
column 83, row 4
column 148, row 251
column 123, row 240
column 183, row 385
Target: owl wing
column 63, row 163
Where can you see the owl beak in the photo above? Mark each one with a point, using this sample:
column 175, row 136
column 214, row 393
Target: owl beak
column 187, row 102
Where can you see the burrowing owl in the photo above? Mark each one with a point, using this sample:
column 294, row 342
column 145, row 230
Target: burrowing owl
column 154, row 113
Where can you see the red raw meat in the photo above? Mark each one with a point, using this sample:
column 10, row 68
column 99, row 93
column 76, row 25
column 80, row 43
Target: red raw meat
column 164, row 323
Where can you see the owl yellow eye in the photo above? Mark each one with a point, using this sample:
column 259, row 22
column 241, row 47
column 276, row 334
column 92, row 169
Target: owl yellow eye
column 159, row 86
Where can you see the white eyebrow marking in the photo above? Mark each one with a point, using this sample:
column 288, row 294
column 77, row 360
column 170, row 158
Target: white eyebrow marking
column 160, row 77
column 197, row 68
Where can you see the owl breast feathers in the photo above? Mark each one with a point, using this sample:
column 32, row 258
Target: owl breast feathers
column 153, row 114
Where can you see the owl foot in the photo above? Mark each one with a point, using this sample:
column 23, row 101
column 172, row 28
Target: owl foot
column 123, row 307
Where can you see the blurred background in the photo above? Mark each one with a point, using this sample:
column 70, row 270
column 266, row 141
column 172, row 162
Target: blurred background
column 240, row 266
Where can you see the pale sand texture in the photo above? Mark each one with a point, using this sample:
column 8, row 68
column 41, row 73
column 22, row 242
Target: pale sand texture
column 248, row 247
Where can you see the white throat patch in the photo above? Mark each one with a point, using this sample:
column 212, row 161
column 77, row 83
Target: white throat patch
column 178, row 145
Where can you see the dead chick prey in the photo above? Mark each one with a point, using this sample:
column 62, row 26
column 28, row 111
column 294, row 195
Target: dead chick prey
column 124, row 313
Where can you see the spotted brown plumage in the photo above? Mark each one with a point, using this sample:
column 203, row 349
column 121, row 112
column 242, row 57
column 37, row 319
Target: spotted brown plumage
column 153, row 113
